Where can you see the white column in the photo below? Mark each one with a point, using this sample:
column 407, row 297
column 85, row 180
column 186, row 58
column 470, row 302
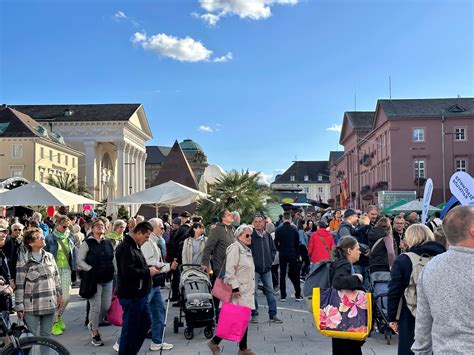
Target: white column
column 128, row 159
column 143, row 169
column 90, row 166
column 120, row 176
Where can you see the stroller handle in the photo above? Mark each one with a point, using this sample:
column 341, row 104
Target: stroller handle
column 180, row 267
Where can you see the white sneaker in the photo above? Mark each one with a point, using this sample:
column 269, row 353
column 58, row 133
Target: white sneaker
column 163, row 345
column 116, row 346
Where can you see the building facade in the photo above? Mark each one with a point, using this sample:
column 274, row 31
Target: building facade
column 30, row 151
column 308, row 177
column 111, row 137
column 402, row 144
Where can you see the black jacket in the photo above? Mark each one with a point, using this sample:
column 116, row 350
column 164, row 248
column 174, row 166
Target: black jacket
column 342, row 278
column 176, row 243
column 378, row 260
column 134, row 278
column 263, row 251
column 287, row 240
column 362, row 235
column 400, row 278
column 345, row 229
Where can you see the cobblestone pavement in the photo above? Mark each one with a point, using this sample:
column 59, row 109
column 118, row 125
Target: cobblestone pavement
column 297, row 335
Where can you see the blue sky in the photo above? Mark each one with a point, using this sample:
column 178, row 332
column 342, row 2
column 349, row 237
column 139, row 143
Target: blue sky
column 257, row 87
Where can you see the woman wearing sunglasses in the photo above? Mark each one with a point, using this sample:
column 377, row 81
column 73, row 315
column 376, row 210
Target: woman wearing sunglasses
column 240, row 275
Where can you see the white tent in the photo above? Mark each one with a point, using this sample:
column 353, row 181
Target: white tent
column 41, row 194
column 169, row 194
column 415, row 205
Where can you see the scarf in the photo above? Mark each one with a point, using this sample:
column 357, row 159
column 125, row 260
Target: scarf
column 60, row 235
column 114, row 236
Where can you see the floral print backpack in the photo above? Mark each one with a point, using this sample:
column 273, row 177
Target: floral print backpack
column 344, row 314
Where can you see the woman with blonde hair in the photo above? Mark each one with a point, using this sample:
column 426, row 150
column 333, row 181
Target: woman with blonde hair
column 420, row 241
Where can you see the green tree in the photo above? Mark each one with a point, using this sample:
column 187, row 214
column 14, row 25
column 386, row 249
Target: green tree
column 237, row 191
column 69, row 183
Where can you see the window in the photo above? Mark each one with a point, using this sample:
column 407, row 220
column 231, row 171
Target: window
column 50, row 155
column 461, row 165
column 306, row 190
column 320, row 178
column 292, row 178
column 306, row 178
column 418, row 134
column 420, row 168
column 17, row 151
column 460, row 134
column 42, row 152
column 66, row 159
column 73, row 162
column 59, row 158
column 16, row 172
column 320, row 189
column 41, row 176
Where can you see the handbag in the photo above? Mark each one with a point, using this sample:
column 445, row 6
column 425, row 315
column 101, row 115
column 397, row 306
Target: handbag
column 343, row 314
column 88, row 286
column 233, row 321
column 115, row 313
column 221, row 290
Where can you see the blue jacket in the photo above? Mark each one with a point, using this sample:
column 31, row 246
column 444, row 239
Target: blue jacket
column 52, row 247
column 45, row 228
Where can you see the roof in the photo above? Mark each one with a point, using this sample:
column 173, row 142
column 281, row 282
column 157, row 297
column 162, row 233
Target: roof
column 16, row 124
column 189, row 144
column 300, row 169
column 156, row 154
column 335, row 156
column 84, row 113
column 361, row 120
column 428, row 107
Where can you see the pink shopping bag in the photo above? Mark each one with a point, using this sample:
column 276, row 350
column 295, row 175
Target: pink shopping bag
column 233, row 321
column 114, row 316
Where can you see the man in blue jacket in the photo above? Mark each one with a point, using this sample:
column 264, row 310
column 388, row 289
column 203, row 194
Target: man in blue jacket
column 287, row 242
column 263, row 251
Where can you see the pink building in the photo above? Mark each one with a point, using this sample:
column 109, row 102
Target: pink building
column 400, row 145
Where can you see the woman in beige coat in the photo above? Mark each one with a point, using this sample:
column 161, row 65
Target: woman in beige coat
column 240, row 275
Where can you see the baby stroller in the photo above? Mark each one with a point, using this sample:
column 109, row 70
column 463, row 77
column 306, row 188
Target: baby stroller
column 195, row 302
column 378, row 284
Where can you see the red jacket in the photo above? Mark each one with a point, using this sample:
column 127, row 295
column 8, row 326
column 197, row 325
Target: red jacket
column 317, row 251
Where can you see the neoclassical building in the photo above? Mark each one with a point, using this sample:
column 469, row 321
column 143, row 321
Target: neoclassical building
column 112, row 138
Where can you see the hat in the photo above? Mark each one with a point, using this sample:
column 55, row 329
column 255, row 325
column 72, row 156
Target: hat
column 185, row 214
column 3, row 227
column 349, row 212
column 177, row 221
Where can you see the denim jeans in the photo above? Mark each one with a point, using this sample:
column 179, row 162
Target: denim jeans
column 39, row 325
column 267, row 291
column 136, row 323
column 157, row 313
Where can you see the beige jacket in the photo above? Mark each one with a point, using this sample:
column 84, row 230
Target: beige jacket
column 240, row 273
column 188, row 250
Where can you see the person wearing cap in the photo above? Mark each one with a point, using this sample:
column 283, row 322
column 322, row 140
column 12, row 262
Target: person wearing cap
column 346, row 228
column 175, row 252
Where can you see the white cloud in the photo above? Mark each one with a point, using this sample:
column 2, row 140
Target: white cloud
column 182, row 49
column 268, row 178
column 252, row 9
column 224, row 58
column 203, row 128
column 119, row 15
column 335, row 128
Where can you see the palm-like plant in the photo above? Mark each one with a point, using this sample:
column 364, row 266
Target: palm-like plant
column 69, row 183
column 237, row 191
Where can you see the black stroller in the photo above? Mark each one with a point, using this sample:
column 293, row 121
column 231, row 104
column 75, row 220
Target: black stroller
column 195, row 302
column 378, row 284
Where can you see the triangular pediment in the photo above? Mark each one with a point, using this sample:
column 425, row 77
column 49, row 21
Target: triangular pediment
column 140, row 121
column 176, row 167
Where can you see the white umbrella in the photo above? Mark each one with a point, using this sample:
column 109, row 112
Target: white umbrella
column 41, row 194
column 168, row 194
column 415, row 205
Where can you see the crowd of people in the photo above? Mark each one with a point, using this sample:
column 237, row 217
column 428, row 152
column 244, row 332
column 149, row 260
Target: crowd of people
column 133, row 259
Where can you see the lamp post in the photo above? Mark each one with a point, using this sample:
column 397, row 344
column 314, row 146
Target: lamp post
column 417, row 170
column 130, row 180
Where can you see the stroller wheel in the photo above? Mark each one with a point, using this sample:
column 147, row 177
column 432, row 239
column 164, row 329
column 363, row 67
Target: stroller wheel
column 209, row 332
column 176, row 325
column 188, row 333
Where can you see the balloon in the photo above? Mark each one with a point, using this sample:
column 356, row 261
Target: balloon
column 51, row 210
column 86, row 207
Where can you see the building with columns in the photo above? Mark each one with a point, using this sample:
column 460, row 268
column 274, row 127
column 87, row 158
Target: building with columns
column 112, row 138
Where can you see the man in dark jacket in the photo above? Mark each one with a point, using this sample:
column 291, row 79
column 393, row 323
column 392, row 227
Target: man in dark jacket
column 263, row 251
column 346, row 228
column 287, row 242
column 133, row 286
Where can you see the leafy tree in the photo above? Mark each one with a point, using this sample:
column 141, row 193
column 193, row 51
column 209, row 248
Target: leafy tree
column 69, row 183
column 236, row 191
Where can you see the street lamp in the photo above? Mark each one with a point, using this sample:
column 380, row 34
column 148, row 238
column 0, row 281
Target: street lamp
column 417, row 170
column 130, row 180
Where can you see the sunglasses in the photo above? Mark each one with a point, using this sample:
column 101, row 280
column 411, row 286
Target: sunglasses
column 17, row 229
